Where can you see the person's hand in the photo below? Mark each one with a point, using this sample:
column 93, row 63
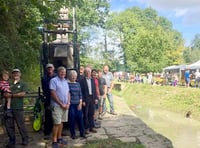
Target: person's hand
column 96, row 101
column 84, row 104
column 64, row 106
column 104, row 96
column 67, row 106
column 80, row 106
column 7, row 95
column 109, row 90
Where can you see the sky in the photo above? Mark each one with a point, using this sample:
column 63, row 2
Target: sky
column 184, row 14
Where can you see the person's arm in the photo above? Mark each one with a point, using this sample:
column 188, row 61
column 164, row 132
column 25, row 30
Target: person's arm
column 82, row 91
column 52, row 86
column 80, row 104
column 21, row 94
column 80, row 96
column 44, row 89
column 111, row 85
column 69, row 99
column 105, row 90
column 55, row 98
column 14, row 95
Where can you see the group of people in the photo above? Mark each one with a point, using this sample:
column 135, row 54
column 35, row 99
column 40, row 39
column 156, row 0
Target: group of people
column 76, row 98
column 189, row 75
column 13, row 91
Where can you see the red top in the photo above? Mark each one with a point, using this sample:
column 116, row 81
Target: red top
column 4, row 86
column 97, row 86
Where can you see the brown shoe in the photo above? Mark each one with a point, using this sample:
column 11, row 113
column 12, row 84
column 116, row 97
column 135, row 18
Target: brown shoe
column 93, row 130
column 113, row 113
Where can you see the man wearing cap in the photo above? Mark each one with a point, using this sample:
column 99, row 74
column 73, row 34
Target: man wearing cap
column 18, row 89
column 48, row 122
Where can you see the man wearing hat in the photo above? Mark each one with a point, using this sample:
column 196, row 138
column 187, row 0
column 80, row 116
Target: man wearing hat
column 48, row 122
column 18, row 89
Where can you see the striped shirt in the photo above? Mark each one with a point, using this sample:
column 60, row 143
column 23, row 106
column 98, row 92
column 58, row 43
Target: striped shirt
column 4, row 86
column 75, row 92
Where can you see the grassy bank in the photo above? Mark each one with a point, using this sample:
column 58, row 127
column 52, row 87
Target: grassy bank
column 111, row 143
column 175, row 99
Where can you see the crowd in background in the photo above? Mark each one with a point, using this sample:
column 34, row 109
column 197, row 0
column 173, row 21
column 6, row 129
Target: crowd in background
column 187, row 78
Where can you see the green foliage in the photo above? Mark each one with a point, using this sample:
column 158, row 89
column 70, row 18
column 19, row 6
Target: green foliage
column 32, row 77
column 86, row 61
column 7, row 55
column 191, row 54
column 196, row 42
column 148, row 40
column 19, row 36
column 92, row 13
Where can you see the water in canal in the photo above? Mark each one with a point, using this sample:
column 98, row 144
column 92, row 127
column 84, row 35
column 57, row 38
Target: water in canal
column 183, row 132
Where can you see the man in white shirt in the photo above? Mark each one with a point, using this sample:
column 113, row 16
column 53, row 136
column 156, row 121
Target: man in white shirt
column 197, row 78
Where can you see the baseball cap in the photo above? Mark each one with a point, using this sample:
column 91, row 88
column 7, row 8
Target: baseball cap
column 15, row 70
column 49, row 65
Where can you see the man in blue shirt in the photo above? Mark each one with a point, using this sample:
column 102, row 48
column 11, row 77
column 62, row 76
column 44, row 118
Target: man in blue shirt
column 187, row 77
column 60, row 102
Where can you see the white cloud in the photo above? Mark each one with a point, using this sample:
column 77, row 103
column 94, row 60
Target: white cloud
column 180, row 12
column 173, row 4
column 192, row 17
column 188, row 10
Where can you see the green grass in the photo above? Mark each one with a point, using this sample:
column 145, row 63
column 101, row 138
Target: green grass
column 111, row 143
column 175, row 99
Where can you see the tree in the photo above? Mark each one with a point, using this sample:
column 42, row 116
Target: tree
column 148, row 41
column 195, row 45
column 20, row 38
column 191, row 54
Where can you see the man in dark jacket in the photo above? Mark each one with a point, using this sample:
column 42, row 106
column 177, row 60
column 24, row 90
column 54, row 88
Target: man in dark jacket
column 48, row 122
column 89, row 96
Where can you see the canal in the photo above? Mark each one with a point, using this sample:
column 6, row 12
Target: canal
column 183, row 132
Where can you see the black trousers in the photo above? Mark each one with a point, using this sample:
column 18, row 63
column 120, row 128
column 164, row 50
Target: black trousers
column 48, row 121
column 10, row 119
column 88, row 113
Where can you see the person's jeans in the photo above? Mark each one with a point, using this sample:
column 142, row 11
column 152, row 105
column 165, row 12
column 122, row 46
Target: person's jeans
column 75, row 116
column 111, row 103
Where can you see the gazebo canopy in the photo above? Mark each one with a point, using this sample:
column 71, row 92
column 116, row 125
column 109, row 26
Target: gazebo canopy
column 175, row 67
column 195, row 65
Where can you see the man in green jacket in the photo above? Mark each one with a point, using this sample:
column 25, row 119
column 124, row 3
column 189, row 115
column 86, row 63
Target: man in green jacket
column 18, row 89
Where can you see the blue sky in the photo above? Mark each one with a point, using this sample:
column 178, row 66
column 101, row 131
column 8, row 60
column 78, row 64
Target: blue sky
column 184, row 14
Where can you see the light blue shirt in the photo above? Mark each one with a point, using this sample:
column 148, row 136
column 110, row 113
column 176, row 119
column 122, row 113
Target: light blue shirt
column 108, row 77
column 61, row 87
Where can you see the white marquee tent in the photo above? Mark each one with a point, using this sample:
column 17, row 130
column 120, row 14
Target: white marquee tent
column 195, row 65
column 175, row 68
